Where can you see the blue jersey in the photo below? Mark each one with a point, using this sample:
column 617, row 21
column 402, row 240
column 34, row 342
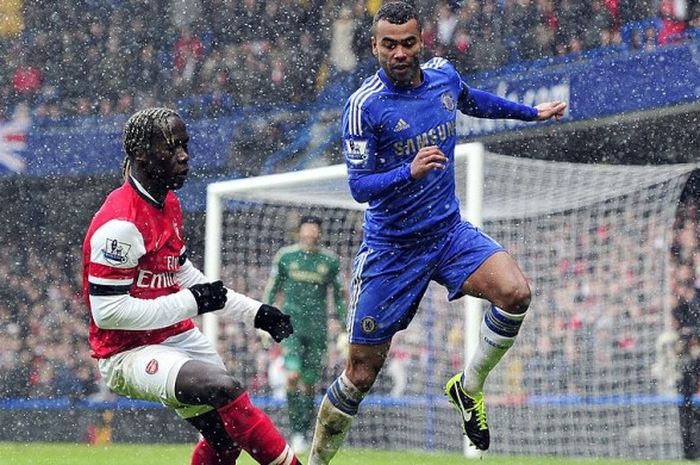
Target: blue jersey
column 384, row 127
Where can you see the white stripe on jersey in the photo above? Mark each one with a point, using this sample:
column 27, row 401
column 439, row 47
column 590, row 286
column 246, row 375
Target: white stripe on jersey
column 285, row 458
column 435, row 63
column 357, row 100
column 110, row 282
column 356, row 285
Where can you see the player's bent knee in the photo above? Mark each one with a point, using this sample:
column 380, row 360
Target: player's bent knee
column 516, row 298
column 523, row 298
column 216, row 389
column 361, row 375
column 364, row 364
column 227, row 388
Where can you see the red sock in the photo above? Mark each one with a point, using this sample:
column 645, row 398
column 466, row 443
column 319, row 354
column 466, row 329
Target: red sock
column 253, row 430
column 204, row 454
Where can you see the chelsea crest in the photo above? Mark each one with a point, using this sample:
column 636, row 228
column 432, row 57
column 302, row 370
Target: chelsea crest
column 448, row 101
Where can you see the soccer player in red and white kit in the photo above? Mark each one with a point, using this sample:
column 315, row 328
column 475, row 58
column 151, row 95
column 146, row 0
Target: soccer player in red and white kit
column 142, row 292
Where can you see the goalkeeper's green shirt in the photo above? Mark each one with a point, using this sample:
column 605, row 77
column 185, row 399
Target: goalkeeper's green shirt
column 304, row 279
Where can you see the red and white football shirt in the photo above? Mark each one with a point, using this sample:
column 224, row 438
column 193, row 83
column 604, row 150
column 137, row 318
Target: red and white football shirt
column 131, row 256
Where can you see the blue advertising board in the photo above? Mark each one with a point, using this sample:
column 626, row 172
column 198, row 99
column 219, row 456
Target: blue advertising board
column 596, row 88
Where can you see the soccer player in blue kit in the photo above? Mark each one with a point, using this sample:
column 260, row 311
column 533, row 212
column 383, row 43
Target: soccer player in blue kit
column 399, row 136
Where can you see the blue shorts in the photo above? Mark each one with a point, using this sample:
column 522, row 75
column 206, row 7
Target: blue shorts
column 388, row 283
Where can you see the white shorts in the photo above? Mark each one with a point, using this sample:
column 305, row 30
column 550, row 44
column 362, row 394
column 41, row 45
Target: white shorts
column 149, row 372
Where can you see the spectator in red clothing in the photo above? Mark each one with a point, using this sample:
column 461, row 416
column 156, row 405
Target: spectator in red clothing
column 613, row 7
column 27, row 80
column 187, row 47
column 189, row 53
column 674, row 15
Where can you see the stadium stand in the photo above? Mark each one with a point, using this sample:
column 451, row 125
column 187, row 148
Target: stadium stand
column 100, row 58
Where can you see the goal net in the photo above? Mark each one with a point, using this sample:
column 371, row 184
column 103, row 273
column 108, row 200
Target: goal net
column 592, row 239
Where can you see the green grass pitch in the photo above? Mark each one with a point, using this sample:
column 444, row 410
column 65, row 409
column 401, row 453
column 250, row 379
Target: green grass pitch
column 159, row 454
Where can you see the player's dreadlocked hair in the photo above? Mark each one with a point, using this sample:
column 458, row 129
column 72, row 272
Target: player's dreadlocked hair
column 396, row 12
column 139, row 130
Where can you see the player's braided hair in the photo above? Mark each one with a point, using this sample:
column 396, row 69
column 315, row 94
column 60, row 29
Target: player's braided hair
column 396, row 12
column 139, row 130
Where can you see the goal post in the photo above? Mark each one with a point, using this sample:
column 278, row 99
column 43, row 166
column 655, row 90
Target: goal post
column 219, row 192
column 473, row 212
column 593, row 241
column 472, row 154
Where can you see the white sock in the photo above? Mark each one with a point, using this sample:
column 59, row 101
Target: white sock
column 498, row 332
column 335, row 415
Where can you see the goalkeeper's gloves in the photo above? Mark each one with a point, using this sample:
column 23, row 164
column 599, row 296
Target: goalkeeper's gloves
column 209, row 296
column 272, row 320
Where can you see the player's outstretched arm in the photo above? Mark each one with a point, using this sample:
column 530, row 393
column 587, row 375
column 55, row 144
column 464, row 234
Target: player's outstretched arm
column 250, row 311
column 239, row 305
column 549, row 110
column 112, row 310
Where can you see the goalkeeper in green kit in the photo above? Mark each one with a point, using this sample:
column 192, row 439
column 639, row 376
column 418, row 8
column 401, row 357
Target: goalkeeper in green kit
column 301, row 275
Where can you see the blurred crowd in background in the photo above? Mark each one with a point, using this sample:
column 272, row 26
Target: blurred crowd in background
column 87, row 57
